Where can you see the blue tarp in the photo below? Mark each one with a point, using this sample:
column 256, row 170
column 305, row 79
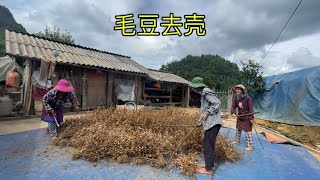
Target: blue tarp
column 28, row 155
column 292, row 98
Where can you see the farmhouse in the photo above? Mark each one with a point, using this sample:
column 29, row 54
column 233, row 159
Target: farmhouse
column 100, row 78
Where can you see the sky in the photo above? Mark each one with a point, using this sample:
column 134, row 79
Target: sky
column 236, row 30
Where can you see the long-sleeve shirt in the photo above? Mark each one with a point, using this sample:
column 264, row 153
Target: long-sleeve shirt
column 51, row 102
column 245, row 106
column 210, row 104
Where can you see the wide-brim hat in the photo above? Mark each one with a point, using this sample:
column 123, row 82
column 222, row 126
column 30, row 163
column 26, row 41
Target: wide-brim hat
column 240, row 86
column 197, row 82
column 64, row 86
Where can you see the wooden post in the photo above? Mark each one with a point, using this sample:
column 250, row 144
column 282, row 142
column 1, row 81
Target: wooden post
column 183, row 100
column 187, row 96
column 136, row 90
column 27, row 87
column 230, row 98
column 84, row 90
column 170, row 94
column 110, row 90
column 143, row 91
column 139, row 90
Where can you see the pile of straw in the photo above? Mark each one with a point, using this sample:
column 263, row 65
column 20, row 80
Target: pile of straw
column 140, row 137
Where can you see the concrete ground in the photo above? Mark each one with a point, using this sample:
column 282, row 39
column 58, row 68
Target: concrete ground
column 14, row 125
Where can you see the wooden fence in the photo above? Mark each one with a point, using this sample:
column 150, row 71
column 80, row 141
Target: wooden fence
column 226, row 99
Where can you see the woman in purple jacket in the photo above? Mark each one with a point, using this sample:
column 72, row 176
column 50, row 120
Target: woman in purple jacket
column 53, row 104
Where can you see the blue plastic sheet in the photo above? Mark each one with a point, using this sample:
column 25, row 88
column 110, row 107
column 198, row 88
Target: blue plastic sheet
column 292, row 98
column 28, row 155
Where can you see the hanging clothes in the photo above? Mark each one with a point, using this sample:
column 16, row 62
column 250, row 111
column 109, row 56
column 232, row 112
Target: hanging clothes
column 157, row 85
column 38, row 93
column 46, row 70
column 40, row 83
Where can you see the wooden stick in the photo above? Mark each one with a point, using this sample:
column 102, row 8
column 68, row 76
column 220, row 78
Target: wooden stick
column 185, row 138
column 55, row 119
column 257, row 135
column 169, row 125
column 247, row 114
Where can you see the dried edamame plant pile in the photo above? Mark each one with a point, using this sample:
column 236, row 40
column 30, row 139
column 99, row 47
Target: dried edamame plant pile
column 140, row 137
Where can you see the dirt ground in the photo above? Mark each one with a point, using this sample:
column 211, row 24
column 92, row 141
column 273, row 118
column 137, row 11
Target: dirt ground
column 307, row 135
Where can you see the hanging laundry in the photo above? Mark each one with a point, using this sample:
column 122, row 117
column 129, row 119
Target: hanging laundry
column 47, row 69
column 38, row 93
column 39, row 83
column 157, row 85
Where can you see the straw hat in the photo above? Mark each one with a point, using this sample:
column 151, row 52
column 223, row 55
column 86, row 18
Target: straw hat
column 240, row 86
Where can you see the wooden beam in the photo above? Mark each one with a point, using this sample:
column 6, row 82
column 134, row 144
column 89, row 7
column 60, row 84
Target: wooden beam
column 154, row 89
column 140, row 91
column 183, row 96
column 84, row 90
column 144, row 91
column 136, row 89
column 84, row 66
column 110, row 90
column 186, row 99
column 159, row 97
column 165, row 104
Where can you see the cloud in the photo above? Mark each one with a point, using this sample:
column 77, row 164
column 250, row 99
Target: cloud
column 235, row 30
column 302, row 58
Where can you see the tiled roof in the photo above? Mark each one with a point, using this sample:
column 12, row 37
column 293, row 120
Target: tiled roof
column 30, row 46
column 166, row 77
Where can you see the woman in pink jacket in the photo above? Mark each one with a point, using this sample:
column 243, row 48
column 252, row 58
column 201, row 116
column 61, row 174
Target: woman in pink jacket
column 53, row 104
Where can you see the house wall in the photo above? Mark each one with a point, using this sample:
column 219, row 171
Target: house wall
column 97, row 88
column 74, row 75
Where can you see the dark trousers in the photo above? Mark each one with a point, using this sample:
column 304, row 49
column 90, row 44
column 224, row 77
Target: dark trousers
column 209, row 142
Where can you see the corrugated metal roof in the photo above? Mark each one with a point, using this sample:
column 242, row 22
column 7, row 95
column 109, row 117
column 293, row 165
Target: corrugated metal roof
column 131, row 62
column 166, row 77
column 30, row 46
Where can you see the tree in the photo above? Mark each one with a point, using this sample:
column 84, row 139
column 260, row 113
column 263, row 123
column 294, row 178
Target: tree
column 252, row 77
column 56, row 35
column 216, row 71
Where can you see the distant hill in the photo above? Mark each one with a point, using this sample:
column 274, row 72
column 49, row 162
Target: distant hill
column 7, row 21
column 216, row 71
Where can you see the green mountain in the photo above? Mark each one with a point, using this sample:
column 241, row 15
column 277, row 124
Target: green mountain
column 216, row 71
column 7, row 21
